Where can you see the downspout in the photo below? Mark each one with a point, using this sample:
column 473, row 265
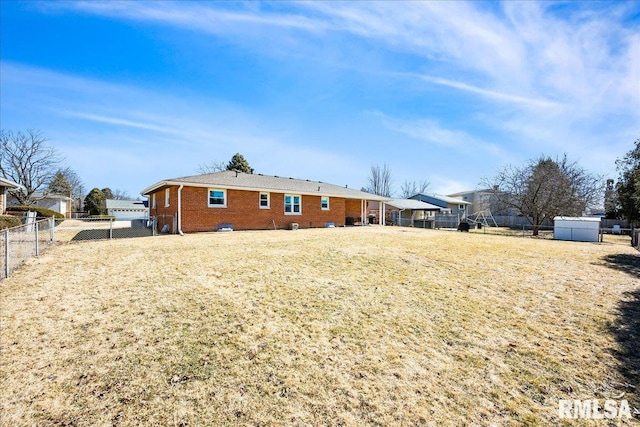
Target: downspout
column 180, row 210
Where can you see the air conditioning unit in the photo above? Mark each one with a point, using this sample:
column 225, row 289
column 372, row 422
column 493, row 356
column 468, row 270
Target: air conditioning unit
column 293, row 226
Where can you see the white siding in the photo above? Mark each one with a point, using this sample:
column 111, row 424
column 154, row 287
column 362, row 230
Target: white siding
column 579, row 229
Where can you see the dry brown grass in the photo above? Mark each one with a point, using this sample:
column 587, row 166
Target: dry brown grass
column 356, row 326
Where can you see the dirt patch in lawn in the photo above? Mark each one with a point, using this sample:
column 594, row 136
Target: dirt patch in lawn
column 347, row 326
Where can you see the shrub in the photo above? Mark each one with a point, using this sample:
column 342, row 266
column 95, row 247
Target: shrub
column 8, row 221
column 41, row 212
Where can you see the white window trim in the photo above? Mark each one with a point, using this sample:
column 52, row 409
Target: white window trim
column 328, row 203
column 292, row 205
column 167, row 197
column 153, row 201
column 224, row 194
column 268, row 200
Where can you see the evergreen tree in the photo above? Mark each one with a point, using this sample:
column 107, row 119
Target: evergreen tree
column 94, row 203
column 238, row 163
column 628, row 187
column 611, row 206
column 60, row 184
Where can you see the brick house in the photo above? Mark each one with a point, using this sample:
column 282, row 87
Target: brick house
column 254, row 202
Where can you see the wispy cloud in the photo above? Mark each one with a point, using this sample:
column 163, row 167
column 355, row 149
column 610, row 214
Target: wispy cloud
column 195, row 16
column 492, row 94
column 534, row 57
column 431, row 132
column 121, row 122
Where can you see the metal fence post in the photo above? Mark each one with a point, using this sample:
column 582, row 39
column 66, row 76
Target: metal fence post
column 6, row 253
column 52, row 228
column 110, row 228
column 37, row 226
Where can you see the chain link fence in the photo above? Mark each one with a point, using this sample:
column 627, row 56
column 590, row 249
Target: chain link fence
column 102, row 228
column 17, row 244
column 20, row 243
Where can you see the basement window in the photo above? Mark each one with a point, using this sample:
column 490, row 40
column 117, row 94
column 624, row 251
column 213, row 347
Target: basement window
column 217, row 198
column 292, row 204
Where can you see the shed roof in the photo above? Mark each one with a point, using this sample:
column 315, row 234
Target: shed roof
column 259, row 182
column 577, row 218
column 412, row 204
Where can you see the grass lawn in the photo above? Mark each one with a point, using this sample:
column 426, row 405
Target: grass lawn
column 346, row 326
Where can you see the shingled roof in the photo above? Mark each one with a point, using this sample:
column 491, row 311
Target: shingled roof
column 259, row 182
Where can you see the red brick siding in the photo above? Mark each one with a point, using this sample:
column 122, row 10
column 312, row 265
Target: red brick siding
column 353, row 208
column 244, row 213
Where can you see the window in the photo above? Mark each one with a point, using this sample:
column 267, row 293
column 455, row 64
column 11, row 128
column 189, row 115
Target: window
column 461, row 207
column 153, row 201
column 324, row 203
column 167, row 197
column 265, row 202
column 292, row 204
column 217, row 198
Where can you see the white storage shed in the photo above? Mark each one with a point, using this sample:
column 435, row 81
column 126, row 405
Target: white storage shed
column 576, row 228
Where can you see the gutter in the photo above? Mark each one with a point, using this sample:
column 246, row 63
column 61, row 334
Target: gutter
column 180, row 210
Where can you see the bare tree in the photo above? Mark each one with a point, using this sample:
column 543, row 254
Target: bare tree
column 28, row 160
column 212, row 167
column 120, row 195
column 380, row 180
column 545, row 188
column 411, row 188
column 237, row 163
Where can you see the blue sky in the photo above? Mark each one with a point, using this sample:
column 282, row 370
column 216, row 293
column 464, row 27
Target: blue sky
column 132, row 93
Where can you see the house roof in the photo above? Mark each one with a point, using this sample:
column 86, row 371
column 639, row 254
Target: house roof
column 9, row 184
column 446, row 199
column 125, row 204
column 464, row 193
column 258, row 182
column 412, row 204
column 40, row 196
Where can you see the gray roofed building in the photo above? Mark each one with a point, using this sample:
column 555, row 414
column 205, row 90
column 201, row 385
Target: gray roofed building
column 242, row 201
column 260, row 182
column 127, row 209
column 412, row 204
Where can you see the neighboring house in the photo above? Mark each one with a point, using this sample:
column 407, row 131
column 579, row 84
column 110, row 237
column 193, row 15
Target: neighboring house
column 55, row 202
column 450, row 205
column 127, row 209
column 244, row 201
column 480, row 200
column 5, row 186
